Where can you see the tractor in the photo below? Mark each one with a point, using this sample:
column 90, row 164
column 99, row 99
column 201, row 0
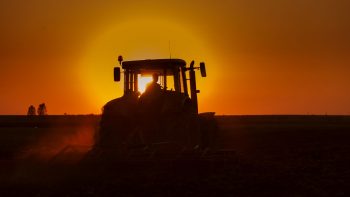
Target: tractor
column 169, row 121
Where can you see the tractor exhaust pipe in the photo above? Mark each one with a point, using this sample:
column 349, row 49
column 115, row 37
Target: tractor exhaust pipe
column 193, row 86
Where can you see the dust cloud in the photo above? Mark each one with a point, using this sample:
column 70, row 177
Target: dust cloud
column 66, row 144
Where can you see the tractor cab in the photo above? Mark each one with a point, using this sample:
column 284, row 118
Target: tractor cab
column 171, row 74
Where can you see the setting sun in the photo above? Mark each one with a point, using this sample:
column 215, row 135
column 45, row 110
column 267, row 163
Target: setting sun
column 143, row 81
column 159, row 39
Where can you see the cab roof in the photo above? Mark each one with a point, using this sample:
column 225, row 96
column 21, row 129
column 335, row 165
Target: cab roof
column 153, row 64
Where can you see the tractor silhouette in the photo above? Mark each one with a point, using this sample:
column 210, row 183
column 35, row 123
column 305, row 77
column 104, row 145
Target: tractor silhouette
column 168, row 119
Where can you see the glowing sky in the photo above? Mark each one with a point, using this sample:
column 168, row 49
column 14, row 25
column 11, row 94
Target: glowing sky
column 263, row 57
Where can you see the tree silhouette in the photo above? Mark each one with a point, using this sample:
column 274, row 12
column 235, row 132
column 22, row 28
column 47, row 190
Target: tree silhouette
column 31, row 111
column 42, row 109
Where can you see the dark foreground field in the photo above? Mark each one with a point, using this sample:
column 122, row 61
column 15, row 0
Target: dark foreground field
column 273, row 156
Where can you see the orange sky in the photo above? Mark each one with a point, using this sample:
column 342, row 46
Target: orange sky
column 263, row 57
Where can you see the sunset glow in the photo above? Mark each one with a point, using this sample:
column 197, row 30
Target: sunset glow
column 159, row 39
column 262, row 57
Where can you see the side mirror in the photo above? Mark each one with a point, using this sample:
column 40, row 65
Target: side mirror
column 116, row 73
column 202, row 68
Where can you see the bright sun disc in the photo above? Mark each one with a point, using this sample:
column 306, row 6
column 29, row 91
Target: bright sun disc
column 143, row 81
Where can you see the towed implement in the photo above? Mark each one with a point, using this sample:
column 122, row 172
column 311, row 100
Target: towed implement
column 160, row 121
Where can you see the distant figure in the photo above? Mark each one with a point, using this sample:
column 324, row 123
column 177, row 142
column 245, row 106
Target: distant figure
column 153, row 87
column 31, row 111
column 42, row 109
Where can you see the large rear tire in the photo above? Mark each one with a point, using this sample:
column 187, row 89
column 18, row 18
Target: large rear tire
column 117, row 122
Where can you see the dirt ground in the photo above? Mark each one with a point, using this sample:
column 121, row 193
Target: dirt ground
column 270, row 156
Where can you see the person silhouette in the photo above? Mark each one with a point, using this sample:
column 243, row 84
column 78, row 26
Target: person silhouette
column 153, row 87
column 150, row 100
